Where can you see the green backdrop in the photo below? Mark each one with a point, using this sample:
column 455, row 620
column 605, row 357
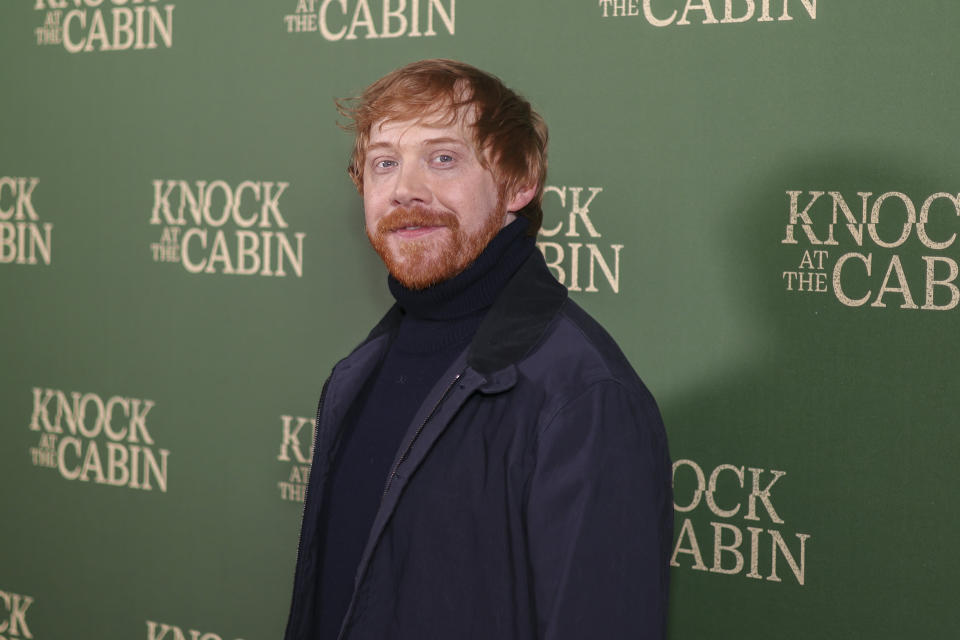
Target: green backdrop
column 758, row 199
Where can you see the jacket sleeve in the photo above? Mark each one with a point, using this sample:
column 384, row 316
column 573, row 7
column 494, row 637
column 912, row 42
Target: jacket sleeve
column 600, row 518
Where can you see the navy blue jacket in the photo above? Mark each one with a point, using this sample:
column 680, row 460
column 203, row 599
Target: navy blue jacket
column 531, row 496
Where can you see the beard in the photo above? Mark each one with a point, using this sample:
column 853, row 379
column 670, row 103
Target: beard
column 418, row 263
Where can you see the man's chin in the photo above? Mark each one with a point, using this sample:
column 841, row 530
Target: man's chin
column 415, row 281
column 423, row 272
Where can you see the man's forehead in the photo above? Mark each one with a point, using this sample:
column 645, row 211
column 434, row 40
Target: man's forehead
column 419, row 130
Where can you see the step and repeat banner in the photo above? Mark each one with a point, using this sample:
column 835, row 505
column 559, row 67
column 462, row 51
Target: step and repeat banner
column 760, row 200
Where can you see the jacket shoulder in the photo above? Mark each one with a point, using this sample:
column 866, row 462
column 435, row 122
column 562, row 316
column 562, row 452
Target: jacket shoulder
column 576, row 353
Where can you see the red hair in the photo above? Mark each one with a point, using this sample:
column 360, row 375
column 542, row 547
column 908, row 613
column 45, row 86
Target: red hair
column 506, row 129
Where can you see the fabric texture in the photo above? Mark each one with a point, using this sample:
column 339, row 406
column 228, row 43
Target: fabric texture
column 531, row 495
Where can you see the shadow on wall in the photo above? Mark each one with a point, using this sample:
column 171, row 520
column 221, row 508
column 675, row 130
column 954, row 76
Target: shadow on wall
column 848, row 418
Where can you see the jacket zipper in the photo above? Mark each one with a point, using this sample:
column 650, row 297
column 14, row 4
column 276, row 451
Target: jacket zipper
column 393, row 473
column 416, row 434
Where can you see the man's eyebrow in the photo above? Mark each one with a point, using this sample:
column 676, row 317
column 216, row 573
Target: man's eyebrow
column 432, row 141
column 425, row 143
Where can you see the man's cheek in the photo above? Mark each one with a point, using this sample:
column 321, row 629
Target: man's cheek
column 370, row 219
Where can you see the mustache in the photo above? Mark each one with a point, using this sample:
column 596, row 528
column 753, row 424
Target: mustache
column 402, row 217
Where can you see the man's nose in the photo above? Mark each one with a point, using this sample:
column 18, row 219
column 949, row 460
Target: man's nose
column 411, row 186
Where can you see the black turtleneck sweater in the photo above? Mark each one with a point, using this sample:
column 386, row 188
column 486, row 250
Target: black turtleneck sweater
column 437, row 325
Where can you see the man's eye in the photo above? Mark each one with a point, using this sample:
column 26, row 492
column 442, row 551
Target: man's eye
column 384, row 164
column 443, row 158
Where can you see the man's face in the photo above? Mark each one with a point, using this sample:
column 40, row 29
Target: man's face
column 430, row 206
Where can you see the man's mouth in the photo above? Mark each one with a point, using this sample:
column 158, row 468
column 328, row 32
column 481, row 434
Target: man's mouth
column 415, row 223
column 413, row 231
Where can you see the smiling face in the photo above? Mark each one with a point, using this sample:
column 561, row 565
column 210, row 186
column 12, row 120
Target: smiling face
column 430, row 206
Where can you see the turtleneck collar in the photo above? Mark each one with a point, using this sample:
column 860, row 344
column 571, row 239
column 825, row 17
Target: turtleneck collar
column 476, row 287
column 444, row 318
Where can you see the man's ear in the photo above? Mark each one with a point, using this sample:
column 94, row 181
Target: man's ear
column 521, row 198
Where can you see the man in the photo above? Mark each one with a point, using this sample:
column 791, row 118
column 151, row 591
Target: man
column 486, row 463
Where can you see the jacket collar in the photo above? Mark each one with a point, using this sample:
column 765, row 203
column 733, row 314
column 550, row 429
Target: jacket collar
column 515, row 323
